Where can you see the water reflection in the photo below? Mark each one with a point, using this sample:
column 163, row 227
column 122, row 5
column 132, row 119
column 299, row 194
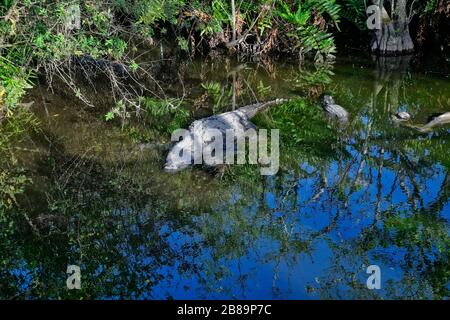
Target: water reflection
column 345, row 198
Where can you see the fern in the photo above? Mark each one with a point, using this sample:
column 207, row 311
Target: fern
column 329, row 7
column 355, row 12
column 309, row 37
column 430, row 6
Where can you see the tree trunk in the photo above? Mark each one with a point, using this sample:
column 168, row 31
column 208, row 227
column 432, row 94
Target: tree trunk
column 233, row 15
column 393, row 38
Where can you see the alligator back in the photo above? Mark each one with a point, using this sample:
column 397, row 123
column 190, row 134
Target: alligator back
column 251, row 110
column 336, row 111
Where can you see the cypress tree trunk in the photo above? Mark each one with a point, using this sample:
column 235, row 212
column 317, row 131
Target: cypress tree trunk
column 393, row 38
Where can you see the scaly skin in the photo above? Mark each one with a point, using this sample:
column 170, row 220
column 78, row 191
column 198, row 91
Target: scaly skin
column 334, row 110
column 237, row 120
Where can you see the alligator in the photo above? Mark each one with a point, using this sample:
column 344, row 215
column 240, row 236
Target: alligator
column 334, row 110
column 101, row 64
column 237, row 120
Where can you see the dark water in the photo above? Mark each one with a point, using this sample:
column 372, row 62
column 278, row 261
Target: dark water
column 346, row 197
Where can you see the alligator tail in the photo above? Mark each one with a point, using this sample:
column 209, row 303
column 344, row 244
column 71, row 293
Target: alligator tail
column 251, row 110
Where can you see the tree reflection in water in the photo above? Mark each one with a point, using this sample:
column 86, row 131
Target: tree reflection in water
column 345, row 198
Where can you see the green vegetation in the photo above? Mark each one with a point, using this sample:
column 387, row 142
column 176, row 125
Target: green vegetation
column 44, row 37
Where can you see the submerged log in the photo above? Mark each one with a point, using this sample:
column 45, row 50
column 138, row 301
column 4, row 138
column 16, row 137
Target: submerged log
column 438, row 121
column 433, row 123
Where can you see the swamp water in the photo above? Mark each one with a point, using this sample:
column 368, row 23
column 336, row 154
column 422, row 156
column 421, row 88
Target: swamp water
column 373, row 192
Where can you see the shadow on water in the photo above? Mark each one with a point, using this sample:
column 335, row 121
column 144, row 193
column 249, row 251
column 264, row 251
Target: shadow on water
column 371, row 193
